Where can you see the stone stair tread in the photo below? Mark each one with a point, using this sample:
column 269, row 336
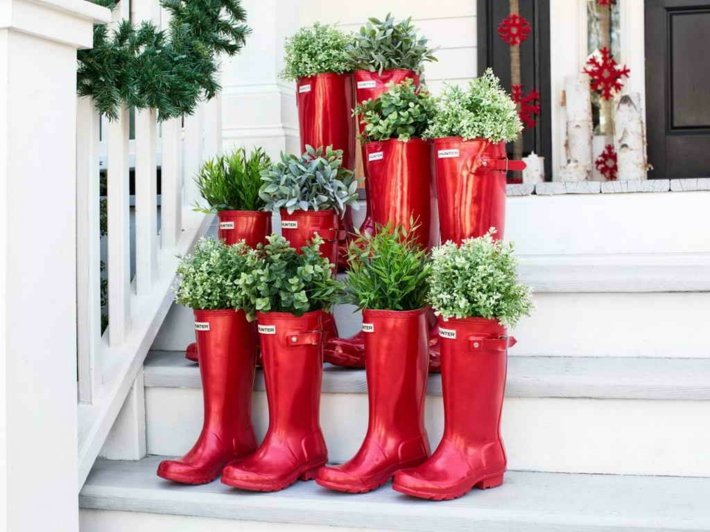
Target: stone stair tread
column 527, row 502
column 528, row 376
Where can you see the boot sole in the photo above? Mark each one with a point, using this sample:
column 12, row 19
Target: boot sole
column 352, row 489
column 306, row 473
column 180, row 479
column 487, row 483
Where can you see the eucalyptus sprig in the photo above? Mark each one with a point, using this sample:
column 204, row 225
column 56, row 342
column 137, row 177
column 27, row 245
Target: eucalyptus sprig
column 484, row 110
column 313, row 181
column 284, row 280
column 387, row 271
column 232, row 182
column 315, row 50
column 390, row 44
column 478, row 279
column 402, row 112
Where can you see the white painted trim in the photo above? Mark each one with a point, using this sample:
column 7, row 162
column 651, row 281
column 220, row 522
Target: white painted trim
column 633, row 46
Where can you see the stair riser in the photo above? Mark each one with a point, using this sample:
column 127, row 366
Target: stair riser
column 556, row 435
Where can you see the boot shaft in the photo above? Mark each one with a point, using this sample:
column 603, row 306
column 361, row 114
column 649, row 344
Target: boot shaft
column 300, row 227
column 251, row 226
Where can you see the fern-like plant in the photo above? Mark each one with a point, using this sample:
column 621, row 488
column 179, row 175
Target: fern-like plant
column 402, row 112
column 388, row 271
column 313, row 181
column 232, row 182
column 315, row 50
column 390, row 44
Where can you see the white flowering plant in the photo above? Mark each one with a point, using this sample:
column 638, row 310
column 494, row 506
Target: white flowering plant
column 483, row 110
column 209, row 276
column 317, row 49
column 478, row 279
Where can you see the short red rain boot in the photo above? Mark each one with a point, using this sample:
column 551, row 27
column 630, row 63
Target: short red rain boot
column 300, row 227
column 294, row 446
column 470, row 454
column 227, row 356
column 251, row 226
column 396, row 365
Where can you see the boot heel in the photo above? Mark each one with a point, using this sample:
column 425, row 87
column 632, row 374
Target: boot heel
column 310, row 474
column 490, row 482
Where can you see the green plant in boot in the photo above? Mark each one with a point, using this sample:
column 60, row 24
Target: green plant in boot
column 317, row 49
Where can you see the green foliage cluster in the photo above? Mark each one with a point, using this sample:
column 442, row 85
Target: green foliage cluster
column 478, row 279
column 402, row 112
column 388, row 44
column 314, row 181
column 283, row 280
column 315, row 50
column 484, row 110
column 167, row 70
column 232, row 182
column 388, row 271
column 210, row 276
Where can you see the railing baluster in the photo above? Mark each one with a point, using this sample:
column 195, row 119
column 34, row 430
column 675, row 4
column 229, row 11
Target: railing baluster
column 88, row 249
column 171, row 183
column 193, row 153
column 146, row 200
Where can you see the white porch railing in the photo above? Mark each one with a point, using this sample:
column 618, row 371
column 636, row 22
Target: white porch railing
column 110, row 363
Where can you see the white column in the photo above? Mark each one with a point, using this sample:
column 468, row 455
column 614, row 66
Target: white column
column 38, row 403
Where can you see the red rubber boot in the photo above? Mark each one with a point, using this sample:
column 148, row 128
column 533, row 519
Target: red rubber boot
column 396, row 348
column 227, row 367
column 293, row 370
column 471, row 454
column 251, row 226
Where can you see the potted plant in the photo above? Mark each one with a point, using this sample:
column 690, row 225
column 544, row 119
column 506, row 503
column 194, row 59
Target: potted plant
column 317, row 59
column 470, row 128
column 290, row 292
column 388, row 280
column 385, row 53
column 474, row 288
column 227, row 345
column 230, row 186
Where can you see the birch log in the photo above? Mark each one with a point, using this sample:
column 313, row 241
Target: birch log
column 630, row 139
column 578, row 104
column 534, row 168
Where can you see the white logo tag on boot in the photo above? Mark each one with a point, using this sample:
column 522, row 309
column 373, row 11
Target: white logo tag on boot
column 376, row 156
column 202, row 326
column 448, row 154
column 304, row 88
column 267, row 329
column 226, row 225
column 450, row 334
column 366, row 84
column 368, row 327
column 289, row 224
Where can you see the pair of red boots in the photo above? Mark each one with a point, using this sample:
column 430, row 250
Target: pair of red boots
column 292, row 359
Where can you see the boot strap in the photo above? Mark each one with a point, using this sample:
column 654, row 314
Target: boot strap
column 484, row 343
column 503, row 165
column 303, row 338
column 329, row 234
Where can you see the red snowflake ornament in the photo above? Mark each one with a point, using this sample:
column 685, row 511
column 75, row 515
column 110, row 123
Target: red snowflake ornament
column 529, row 104
column 514, row 29
column 605, row 73
column 606, row 163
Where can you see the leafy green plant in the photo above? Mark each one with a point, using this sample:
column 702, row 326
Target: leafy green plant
column 388, row 271
column 209, row 277
column 478, row 279
column 232, row 182
column 388, row 44
column 484, row 110
column 314, row 181
column 403, row 112
column 284, row 280
column 315, row 50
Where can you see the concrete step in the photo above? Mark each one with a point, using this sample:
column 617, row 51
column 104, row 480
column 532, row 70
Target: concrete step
column 562, row 414
column 129, row 496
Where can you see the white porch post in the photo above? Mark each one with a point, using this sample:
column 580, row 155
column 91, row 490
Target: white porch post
column 38, row 403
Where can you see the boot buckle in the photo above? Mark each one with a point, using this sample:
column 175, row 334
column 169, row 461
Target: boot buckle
column 303, row 338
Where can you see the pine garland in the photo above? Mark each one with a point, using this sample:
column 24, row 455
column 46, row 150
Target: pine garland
column 168, row 70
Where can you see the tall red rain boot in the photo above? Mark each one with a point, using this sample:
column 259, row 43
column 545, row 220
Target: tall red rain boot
column 226, row 345
column 471, row 454
column 396, row 350
column 399, row 177
column 294, row 446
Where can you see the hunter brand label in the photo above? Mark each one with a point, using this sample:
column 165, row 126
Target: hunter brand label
column 226, row 225
column 448, row 154
column 377, row 156
column 267, row 329
column 368, row 327
column 367, row 84
column 304, row 88
column 202, row 326
column 289, row 224
column 447, row 333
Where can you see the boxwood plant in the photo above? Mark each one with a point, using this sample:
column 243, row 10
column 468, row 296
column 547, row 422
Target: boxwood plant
column 389, row 44
column 313, row 181
column 403, row 112
column 315, row 50
column 483, row 110
column 388, row 271
column 232, row 182
column 478, row 279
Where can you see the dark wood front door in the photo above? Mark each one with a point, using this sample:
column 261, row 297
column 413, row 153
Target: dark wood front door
column 678, row 87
